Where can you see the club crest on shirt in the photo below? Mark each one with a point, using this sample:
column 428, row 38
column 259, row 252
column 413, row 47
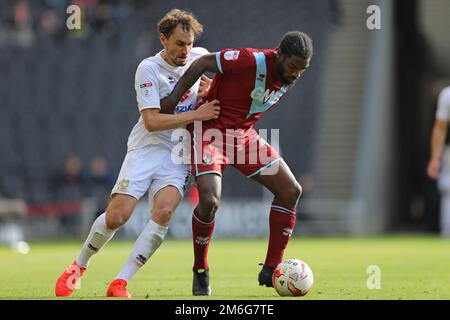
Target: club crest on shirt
column 231, row 55
column 123, row 185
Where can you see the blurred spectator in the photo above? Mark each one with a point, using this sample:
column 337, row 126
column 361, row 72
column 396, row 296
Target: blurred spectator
column 22, row 21
column 47, row 19
column 67, row 186
column 68, row 183
column 99, row 182
column 49, row 24
column 104, row 22
column 99, row 175
column 14, row 184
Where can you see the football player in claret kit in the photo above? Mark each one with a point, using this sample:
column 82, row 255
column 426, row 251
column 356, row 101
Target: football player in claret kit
column 247, row 83
column 148, row 164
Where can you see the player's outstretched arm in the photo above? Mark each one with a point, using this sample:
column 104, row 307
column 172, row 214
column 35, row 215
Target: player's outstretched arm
column 206, row 63
column 437, row 147
column 156, row 121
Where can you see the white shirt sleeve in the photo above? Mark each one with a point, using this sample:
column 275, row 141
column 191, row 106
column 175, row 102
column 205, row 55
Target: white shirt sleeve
column 443, row 108
column 146, row 84
column 197, row 52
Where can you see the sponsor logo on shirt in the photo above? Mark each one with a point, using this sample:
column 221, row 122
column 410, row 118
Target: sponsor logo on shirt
column 183, row 108
column 146, row 85
column 263, row 96
column 231, row 55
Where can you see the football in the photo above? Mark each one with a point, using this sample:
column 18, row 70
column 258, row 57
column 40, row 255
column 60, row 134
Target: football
column 292, row 277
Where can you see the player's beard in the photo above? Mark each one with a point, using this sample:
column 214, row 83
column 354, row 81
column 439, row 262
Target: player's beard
column 174, row 59
column 181, row 64
column 281, row 74
column 179, row 61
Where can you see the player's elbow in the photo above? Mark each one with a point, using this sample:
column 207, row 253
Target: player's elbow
column 151, row 125
column 440, row 125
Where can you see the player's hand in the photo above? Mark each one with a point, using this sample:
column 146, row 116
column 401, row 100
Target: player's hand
column 433, row 169
column 208, row 111
column 205, row 82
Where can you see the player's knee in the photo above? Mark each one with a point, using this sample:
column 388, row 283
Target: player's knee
column 291, row 195
column 116, row 217
column 209, row 205
column 162, row 215
column 295, row 193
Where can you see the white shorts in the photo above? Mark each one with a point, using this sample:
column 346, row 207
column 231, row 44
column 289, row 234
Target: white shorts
column 150, row 168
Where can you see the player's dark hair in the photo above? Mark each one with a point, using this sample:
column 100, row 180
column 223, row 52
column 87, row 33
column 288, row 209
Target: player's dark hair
column 176, row 17
column 296, row 43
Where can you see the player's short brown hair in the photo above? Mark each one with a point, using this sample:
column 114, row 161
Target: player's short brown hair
column 176, row 17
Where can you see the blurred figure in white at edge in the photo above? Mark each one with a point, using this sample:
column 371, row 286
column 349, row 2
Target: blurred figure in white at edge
column 439, row 165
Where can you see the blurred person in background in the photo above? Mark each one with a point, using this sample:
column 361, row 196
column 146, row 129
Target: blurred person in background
column 22, row 22
column 68, row 183
column 104, row 22
column 439, row 164
column 99, row 182
column 148, row 164
column 67, row 186
column 50, row 24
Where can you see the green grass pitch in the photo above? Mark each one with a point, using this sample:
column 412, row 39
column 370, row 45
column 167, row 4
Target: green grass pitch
column 416, row 267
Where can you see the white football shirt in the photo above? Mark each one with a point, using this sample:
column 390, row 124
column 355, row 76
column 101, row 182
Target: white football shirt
column 443, row 108
column 155, row 80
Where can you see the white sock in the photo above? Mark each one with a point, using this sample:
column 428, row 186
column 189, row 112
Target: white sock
column 97, row 238
column 148, row 242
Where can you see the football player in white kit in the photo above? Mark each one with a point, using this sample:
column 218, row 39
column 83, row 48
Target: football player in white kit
column 439, row 165
column 148, row 164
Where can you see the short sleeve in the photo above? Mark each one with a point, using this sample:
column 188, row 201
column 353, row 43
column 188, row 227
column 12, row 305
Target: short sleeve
column 147, row 87
column 443, row 108
column 234, row 60
column 197, row 52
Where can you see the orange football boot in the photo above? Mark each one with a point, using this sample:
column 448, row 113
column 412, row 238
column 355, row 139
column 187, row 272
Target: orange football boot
column 118, row 289
column 68, row 280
